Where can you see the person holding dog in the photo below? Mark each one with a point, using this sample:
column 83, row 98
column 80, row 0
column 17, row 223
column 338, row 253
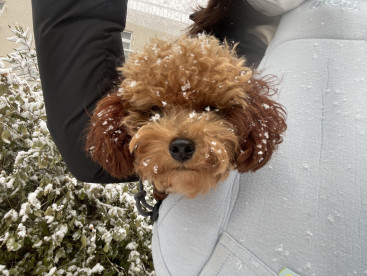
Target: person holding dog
column 305, row 212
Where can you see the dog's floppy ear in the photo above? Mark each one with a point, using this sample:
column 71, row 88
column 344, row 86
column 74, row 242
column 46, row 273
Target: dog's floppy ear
column 107, row 140
column 259, row 125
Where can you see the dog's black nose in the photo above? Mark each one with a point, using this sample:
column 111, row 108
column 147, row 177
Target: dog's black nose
column 182, row 149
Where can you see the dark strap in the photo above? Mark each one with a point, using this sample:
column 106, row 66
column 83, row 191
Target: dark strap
column 142, row 205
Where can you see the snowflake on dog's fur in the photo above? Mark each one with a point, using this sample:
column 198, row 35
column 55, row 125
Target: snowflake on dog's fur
column 192, row 114
column 146, row 162
column 155, row 117
column 186, row 86
column 155, row 169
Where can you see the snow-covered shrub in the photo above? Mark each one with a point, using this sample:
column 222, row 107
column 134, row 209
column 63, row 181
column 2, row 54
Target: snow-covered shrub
column 52, row 224
column 24, row 59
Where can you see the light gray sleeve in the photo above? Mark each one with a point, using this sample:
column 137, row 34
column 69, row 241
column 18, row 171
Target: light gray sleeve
column 274, row 7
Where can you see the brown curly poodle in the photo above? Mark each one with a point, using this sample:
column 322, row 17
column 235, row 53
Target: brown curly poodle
column 186, row 114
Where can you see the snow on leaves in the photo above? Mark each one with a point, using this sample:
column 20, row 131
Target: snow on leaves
column 50, row 222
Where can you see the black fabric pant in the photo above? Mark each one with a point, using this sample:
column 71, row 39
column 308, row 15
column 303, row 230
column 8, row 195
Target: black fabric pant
column 79, row 47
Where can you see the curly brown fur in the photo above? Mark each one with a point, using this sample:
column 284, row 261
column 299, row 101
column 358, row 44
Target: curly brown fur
column 107, row 140
column 194, row 89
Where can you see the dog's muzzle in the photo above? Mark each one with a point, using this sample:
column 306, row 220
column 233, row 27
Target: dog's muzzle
column 182, row 149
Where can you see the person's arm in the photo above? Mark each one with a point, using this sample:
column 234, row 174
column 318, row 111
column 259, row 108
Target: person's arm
column 274, row 7
column 79, row 47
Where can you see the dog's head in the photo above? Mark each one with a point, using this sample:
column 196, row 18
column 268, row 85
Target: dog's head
column 186, row 114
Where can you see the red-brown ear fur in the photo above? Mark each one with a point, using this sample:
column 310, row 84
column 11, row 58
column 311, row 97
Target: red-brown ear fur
column 259, row 125
column 107, row 139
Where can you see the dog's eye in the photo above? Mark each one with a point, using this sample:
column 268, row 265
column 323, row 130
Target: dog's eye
column 211, row 108
column 155, row 109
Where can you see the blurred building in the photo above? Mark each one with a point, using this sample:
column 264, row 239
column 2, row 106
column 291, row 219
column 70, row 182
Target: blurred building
column 156, row 18
column 145, row 19
column 13, row 12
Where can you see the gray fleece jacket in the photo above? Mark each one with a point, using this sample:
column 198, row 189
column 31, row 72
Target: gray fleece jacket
column 306, row 210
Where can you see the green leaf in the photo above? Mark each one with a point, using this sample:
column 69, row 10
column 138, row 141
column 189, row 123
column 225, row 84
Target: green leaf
column 49, row 212
column 5, row 136
column 58, row 215
column 13, row 245
column 22, row 130
column 81, row 195
column 106, row 248
column 3, row 89
column 83, row 240
column 38, row 213
column 42, row 162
